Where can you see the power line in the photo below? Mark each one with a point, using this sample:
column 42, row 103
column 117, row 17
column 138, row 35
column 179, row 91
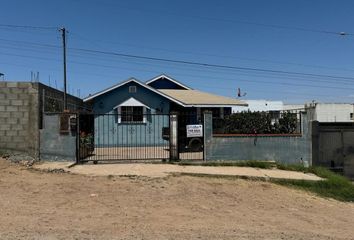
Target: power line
column 249, row 81
column 185, row 62
column 262, row 91
column 94, row 42
column 218, row 66
column 346, row 82
column 204, row 86
column 29, row 27
column 275, row 26
column 114, row 67
column 30, row 43
column 207, row 64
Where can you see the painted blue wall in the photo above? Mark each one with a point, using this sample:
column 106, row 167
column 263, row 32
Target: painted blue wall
column 106, row 102
column 108, row 132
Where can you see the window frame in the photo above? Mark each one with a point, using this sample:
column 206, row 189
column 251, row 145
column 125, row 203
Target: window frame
column 128, row 111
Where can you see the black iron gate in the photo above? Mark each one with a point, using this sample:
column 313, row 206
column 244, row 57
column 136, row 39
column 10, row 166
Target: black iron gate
column 112, row 137
column 121, row 137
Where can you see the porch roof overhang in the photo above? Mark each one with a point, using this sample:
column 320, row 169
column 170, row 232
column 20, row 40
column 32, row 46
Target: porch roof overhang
column 131, row 102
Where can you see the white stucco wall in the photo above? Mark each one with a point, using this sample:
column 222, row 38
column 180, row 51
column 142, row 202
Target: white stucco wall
column 327, row 112
column 293, row 106
column 332, row 112
column 259, row 106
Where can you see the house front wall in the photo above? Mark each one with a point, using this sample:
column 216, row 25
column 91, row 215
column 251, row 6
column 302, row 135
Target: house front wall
column 105, row 103
column 110, row 132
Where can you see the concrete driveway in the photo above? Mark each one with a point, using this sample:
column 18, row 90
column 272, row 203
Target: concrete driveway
column 163, row 170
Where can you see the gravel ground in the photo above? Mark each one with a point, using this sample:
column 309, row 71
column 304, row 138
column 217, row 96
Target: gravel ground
column 42, row 205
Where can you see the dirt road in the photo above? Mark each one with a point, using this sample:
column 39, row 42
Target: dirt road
column 38, row 205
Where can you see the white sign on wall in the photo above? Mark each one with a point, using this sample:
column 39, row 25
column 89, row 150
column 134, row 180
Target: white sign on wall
column 195, row 130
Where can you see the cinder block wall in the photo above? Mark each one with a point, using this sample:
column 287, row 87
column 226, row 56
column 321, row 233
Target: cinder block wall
column 55, row 146
column 21, row 107
column 19, row 117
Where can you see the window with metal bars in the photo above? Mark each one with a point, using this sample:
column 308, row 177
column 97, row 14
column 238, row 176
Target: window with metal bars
column 131, row 114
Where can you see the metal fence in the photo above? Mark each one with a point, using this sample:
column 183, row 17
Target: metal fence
column 125, row 136
column 109, row 137
column 51, row 101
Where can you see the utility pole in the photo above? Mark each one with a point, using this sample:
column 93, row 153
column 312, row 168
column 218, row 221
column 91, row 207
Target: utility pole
column 63, row 34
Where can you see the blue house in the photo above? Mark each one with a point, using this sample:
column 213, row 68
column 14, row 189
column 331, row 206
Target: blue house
column 135, row 113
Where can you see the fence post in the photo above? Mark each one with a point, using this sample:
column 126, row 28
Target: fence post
column 174, row 154
column 315, row 138
column 77, row 138
column 207, row 134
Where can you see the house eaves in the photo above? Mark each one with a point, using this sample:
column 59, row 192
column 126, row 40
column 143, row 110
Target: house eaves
column 137, row 82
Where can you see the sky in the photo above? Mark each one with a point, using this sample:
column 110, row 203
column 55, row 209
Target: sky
column 258, row 41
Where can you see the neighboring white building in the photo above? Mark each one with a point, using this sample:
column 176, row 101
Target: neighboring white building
column 328, row 112
column 259, row 106
column 334, row 112
column 323, row 112
column 293, row 106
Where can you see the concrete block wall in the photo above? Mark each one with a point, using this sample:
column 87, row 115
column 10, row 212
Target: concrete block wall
column 55, row 146
column 21, row 111
column 284, row 149
column 19, row 117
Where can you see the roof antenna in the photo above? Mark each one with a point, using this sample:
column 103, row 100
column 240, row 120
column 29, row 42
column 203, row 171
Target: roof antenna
column 239, row 94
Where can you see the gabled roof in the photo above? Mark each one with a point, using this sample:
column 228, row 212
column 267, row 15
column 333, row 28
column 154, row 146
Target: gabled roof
column 185, row 98
column 195, row 98
column 170, row 79
column 128, row 81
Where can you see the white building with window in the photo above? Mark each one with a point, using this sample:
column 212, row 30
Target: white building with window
column 323, row 112
column 328, row 112
column 259, row 106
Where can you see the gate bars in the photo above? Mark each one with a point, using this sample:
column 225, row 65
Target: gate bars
column 105, row 137
column 119, row 137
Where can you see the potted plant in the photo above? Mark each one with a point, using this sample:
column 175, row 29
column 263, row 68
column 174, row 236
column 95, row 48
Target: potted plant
column 86, row 144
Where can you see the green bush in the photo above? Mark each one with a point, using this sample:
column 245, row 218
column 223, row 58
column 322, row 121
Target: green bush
column 293, row 167
column 334, row 186
column 256, row 123
column 250, row 163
